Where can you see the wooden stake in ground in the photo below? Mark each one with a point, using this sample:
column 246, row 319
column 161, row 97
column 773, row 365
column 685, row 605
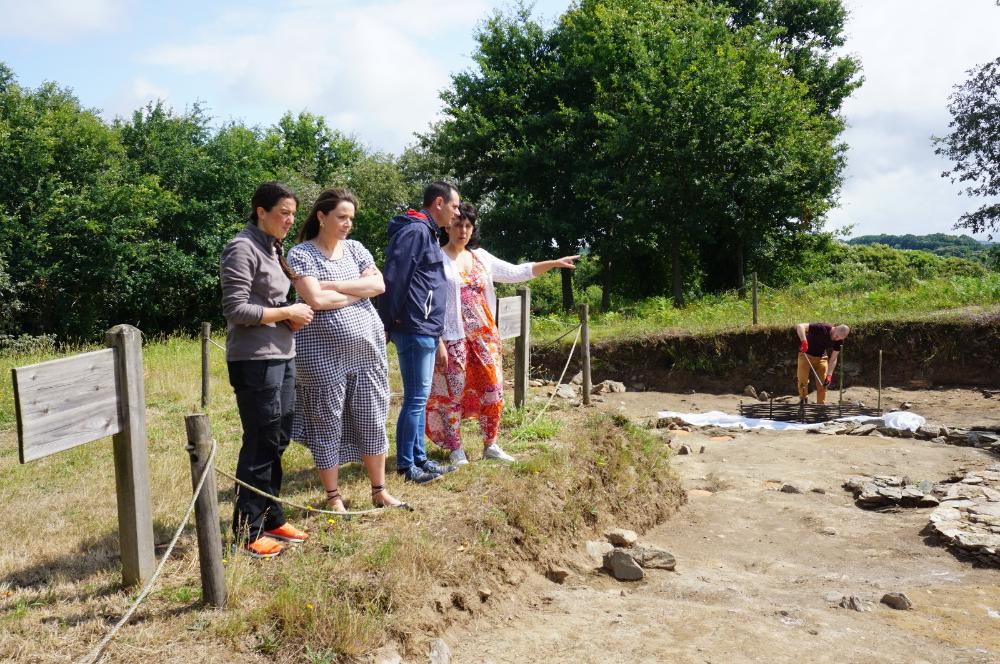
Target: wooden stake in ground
column 135, row 514
column 585, row 350
column 840, row 365
column 206, row 510
column 879, row 406
column 206, row 336
column 522, row 350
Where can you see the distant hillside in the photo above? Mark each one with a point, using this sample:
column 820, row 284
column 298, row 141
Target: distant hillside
column 959, row 246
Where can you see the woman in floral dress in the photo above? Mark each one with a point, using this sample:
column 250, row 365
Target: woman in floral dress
column 471, row 385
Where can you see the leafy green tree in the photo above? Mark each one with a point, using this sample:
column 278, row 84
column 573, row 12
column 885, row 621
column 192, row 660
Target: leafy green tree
column 507, row 133
column 383, row 191
column 75, row 217
column 658, row 135
column 306, row 144
column 974, row 145
column 808, row 34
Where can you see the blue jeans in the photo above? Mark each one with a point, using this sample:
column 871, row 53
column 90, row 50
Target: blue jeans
column 416, row 365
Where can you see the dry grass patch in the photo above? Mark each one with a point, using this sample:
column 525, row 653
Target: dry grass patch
column 355, row 585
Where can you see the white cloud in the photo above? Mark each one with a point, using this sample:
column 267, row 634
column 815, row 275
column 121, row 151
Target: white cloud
column 913, row 52
column 59, row 20
column 131, row 95
column 371, row 68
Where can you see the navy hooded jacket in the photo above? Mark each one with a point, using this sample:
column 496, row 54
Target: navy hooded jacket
column 416, row 290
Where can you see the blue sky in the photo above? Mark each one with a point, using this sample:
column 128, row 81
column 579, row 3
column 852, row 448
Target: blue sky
column 374, row 69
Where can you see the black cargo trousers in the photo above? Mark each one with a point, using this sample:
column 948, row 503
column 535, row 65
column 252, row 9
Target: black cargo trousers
column 265, row 397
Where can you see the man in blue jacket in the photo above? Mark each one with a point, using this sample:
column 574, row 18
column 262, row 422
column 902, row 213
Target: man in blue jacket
column 412, row 311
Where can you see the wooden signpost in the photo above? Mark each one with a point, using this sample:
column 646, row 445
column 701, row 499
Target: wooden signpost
column 514, row 320
column 79, row 399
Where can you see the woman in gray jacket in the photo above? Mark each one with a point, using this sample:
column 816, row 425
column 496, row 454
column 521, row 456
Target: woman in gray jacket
column 260, row 352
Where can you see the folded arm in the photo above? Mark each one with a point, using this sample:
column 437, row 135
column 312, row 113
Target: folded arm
column 320, row 298
column 369, row 284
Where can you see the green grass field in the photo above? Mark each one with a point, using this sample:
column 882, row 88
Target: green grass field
column 851, row 302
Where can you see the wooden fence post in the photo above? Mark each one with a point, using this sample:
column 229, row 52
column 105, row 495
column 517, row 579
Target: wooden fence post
column 135, row 514
column 585, row 350
column 206, row 336
column 754, row 298
column 879, row 406
column 206, row 510
column 522, row 350
column 840, row 365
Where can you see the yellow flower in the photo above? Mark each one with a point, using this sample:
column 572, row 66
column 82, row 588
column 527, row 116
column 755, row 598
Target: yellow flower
column 309, row 606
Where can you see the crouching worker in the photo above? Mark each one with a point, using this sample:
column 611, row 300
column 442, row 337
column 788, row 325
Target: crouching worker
column 819, row 346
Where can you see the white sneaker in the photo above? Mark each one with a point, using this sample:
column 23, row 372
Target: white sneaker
column 457, row 458
column 494, row 451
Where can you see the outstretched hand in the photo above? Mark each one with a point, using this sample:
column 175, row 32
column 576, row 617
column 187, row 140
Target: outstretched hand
column 566, row 261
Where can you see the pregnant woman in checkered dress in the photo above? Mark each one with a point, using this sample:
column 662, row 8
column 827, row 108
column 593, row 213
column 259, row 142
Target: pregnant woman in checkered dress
column 342, row 383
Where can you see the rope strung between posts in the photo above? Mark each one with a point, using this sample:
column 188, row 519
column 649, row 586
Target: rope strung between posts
column 98, row 650
column 216, row 344
column 307, row 508
column 548, row 403
column 567, row 333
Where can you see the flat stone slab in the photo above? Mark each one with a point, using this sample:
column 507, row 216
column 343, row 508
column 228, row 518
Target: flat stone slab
column 651, row 557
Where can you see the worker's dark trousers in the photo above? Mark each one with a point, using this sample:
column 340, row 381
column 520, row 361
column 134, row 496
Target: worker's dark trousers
column 265, row 396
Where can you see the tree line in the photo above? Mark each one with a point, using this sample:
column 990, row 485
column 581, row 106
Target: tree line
column 102, row 223
column 679, row 144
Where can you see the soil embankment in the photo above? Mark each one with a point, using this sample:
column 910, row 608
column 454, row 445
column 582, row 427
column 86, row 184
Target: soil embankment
column 914, row 354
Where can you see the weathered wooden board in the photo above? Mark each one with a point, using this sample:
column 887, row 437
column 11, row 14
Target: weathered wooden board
column 65, row 403
column 509, row 316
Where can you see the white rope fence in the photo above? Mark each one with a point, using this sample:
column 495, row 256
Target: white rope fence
column 98, row 650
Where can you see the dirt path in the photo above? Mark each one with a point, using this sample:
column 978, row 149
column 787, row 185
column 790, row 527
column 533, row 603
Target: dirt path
column 755, row 566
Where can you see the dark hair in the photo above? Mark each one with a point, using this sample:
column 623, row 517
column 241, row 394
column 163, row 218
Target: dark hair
column 267, row 195
column 436, row 189
column 466, row 212
column 327, row 201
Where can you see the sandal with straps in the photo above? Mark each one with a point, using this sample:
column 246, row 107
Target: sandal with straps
column 379, row 488
column 332, row 495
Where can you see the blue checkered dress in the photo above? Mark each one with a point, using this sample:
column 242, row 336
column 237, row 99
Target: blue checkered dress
column 342, row 381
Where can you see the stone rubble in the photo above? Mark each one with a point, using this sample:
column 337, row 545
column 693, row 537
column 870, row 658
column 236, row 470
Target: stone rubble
column 623, row 566
column 440, row 653
column 650, row 557
column 625, row 559
column 960, row 437
column 898, row 601
column 855, row 603
column 621, row 536
column 607, row 387
column 967, row 507
column 968, row 518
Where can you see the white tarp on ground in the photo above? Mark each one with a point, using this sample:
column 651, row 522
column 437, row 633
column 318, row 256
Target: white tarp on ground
column 895, row 420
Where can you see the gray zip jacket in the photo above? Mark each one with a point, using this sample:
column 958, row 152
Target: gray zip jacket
column 252, row 279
